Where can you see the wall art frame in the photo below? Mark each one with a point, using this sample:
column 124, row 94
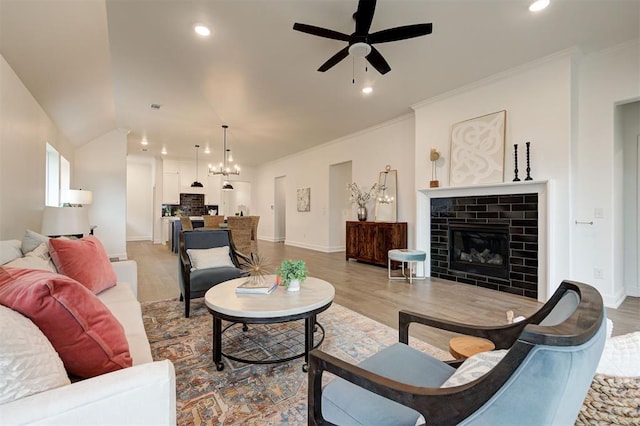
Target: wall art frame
column 477, row 150
column 304, row 199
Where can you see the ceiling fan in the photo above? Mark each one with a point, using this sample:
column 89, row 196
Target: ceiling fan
column 360, row 41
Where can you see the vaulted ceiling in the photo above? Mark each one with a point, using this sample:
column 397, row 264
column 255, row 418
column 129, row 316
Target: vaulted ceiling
column 97, row 65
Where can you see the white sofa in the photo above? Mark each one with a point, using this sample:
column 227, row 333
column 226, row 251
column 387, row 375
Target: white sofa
column 143, row 394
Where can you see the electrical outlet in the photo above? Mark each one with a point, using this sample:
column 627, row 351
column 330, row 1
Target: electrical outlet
column 598, row 274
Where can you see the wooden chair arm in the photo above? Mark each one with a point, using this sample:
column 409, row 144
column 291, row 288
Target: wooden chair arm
column 184, row 258
column 437, row 405
column 502, row 336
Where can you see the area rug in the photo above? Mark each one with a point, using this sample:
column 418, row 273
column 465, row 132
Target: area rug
column 251, row 394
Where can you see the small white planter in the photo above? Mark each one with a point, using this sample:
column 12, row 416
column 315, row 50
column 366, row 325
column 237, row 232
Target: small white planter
column 294, row 285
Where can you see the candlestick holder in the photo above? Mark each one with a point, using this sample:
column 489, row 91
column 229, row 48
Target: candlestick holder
column 528, row 163
column 515, row 162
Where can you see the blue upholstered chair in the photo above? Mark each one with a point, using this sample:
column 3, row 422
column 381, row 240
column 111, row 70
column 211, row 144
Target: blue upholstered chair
column 542, row 379
column 195, row 283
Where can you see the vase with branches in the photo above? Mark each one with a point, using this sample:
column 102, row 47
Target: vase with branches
column 359, row 196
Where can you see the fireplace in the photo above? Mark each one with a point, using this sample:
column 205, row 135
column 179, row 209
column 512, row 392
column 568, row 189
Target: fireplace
column 479, row 249
column 488, row 241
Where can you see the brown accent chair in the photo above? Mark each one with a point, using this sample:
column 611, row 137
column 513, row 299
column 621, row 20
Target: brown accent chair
column 186, row 223
column 213, row 222
column 542, row 379
column 240, row 227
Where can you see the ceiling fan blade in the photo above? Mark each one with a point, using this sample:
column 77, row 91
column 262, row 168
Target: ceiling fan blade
column 400, row 33
column 320, row 32
column 364, row 16
column 335, row 59
column 377, row 61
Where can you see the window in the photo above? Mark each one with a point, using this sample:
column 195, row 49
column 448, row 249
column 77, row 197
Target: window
column 58, row 176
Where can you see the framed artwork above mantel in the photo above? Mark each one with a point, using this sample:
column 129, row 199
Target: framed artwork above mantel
column 477, row 150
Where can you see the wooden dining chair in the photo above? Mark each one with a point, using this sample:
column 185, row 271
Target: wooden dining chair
column 240, row 227
column 186, row 223
column 254, row 233
column 213, row 222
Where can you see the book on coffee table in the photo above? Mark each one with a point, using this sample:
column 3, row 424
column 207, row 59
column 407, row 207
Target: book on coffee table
column 252, row 286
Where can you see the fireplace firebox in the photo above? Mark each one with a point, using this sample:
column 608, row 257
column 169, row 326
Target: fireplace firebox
column 479, row 249
column 481, row 228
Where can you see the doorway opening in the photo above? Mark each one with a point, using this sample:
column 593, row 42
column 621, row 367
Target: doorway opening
column 280, row 209
column 339, row 204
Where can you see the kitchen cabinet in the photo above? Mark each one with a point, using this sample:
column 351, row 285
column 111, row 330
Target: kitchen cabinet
column 170, row 188
column 371, row 241
column 212, row 189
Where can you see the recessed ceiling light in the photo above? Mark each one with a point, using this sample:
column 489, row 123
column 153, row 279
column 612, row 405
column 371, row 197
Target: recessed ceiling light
column 202, row 30
column 538, row 5
column 144, row 141
column 207, row 151
column 367, row 90
column 164, row 151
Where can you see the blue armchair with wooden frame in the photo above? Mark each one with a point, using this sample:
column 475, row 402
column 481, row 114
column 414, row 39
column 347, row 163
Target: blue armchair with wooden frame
column 542, row 380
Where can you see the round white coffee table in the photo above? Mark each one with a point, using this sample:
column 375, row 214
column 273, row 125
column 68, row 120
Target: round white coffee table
column 223, row 303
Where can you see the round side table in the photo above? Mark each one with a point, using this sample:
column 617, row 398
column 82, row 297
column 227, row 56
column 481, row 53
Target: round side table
column 466, row 346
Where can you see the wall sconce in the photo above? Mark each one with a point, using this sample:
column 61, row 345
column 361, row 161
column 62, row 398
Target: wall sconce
column 434, row 156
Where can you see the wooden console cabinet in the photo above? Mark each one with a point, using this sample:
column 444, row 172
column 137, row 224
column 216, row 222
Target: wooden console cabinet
column 371, row 241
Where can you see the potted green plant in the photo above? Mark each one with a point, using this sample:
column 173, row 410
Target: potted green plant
column 293, row 272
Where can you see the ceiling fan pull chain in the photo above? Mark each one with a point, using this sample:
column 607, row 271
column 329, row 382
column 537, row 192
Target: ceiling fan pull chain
column 353, row 70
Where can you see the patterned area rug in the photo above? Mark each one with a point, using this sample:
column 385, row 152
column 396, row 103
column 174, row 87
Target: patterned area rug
column 251, row 394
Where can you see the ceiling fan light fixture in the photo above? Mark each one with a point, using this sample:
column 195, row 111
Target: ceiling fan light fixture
column 359, row 50
column 538, row 5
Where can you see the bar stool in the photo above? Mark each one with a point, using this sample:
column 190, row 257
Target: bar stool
column 411, row 258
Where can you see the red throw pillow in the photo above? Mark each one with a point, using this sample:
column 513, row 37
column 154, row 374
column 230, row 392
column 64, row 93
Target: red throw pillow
column 88, row 338
column 85, row 261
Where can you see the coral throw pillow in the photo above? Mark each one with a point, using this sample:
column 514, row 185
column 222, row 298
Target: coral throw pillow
column 85, row 261
column 88, row 338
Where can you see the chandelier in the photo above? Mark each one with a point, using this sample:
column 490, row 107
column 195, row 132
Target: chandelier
column 223, row 168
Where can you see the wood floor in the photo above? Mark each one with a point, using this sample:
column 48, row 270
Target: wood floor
column 365, row 289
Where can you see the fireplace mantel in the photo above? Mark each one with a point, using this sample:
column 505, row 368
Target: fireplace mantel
column 423, row 223
column 531, row 186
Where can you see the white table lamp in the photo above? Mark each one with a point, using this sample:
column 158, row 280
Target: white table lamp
column 65, row 221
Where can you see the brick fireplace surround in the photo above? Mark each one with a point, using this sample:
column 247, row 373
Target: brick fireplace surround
column 517, row 212
column 520, row 207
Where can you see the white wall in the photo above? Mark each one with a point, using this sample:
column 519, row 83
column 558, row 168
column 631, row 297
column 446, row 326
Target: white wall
column 24, row 131
column 605, row 79
column 538, row 100
column 369, row 151
column 630, row 119
column 565, row 105
column 140, row 198
column 101, row 166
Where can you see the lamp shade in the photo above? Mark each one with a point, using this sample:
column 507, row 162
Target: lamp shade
column 79, row 196
column 65, row 221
